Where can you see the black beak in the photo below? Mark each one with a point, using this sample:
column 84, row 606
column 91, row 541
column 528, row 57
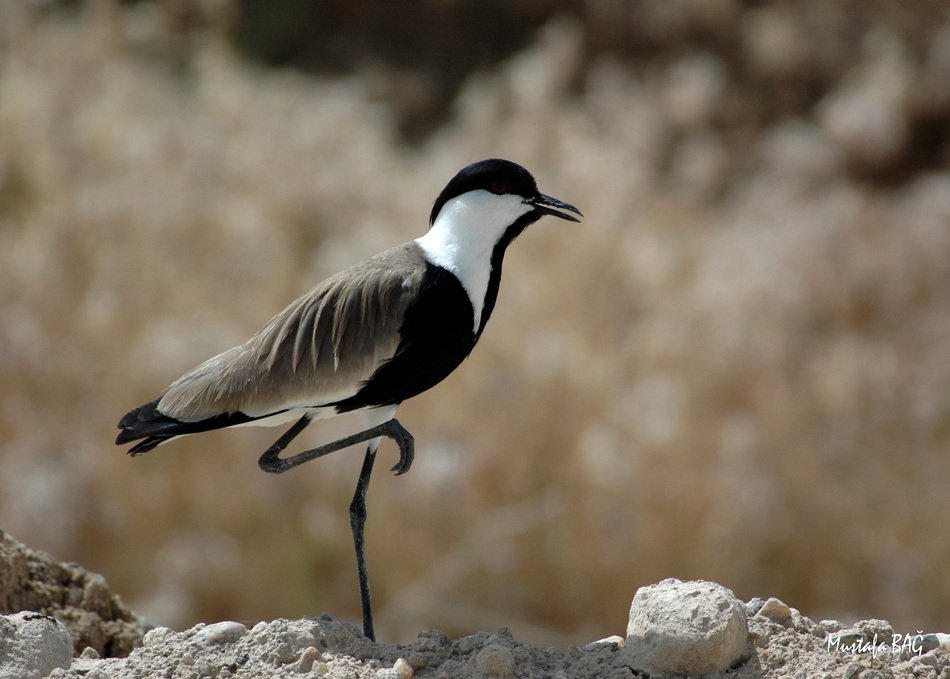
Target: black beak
column 545, row 204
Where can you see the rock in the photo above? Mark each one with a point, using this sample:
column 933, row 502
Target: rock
column 465, row 644
column 686, row 628
column 495, row 660
column 403, row 669
column 431, row 640
column 308, row 657
column 777, row 611
column 220, row 632
column 32, row 645
column 31, row 580
column 606, row 641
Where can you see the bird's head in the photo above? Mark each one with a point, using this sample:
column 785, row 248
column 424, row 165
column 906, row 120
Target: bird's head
column 497, row 197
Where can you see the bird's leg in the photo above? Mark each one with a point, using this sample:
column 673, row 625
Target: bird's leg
column 271, row 462
column 357, row 523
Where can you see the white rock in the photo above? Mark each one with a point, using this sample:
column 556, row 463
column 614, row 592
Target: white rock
column 403, row 669
column 219, row 632
column 686, row 628
column 32, row 645
column 400, row 670
column 615, row 639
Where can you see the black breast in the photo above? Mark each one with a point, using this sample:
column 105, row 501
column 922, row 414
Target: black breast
column 435, row 337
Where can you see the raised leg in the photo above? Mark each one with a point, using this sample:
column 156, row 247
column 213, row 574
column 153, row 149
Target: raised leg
column 271, row 461
column 357, row 524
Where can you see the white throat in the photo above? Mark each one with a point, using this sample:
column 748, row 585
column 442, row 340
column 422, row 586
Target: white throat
column 464, row 235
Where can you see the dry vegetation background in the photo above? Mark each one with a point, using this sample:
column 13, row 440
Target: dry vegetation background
column 737, row 368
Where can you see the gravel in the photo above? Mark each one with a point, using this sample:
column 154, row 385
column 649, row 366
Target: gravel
column 675, row 628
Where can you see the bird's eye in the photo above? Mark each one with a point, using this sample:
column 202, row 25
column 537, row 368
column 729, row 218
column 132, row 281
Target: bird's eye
column 499, row 186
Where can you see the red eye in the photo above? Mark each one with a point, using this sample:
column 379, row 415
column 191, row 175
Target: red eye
column 499, row 186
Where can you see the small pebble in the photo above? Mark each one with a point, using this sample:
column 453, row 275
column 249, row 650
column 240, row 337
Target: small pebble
column 220, row 632
column 469, row 643
column 308, row 656
column 431, row 639
column 403, row 669
column 400, row 670
column 927, row 642
column 615, row 639
column 89, row 653
column 417, row 660
column 777, row 611
column 495, row 660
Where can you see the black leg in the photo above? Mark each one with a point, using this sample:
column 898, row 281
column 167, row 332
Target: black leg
column 271, row 461
column 357, row 524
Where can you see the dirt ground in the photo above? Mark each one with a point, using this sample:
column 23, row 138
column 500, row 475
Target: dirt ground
column 735, row 370
column 781, row 642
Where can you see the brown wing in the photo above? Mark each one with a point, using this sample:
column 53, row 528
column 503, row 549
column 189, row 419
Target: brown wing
column 317, row 351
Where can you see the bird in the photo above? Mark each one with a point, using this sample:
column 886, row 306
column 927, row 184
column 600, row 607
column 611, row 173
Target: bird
column 364, row 340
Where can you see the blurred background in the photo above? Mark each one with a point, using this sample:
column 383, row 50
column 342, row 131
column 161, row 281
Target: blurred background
column 736, row 369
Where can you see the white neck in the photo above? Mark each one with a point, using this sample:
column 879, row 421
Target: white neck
column 464, row 235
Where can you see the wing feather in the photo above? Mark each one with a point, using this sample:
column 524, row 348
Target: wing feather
column 317, row 351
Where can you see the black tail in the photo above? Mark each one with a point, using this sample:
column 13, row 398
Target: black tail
column 149, row 423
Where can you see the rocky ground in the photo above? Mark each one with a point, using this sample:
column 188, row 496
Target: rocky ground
column 64, row 622
column 752, row 320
